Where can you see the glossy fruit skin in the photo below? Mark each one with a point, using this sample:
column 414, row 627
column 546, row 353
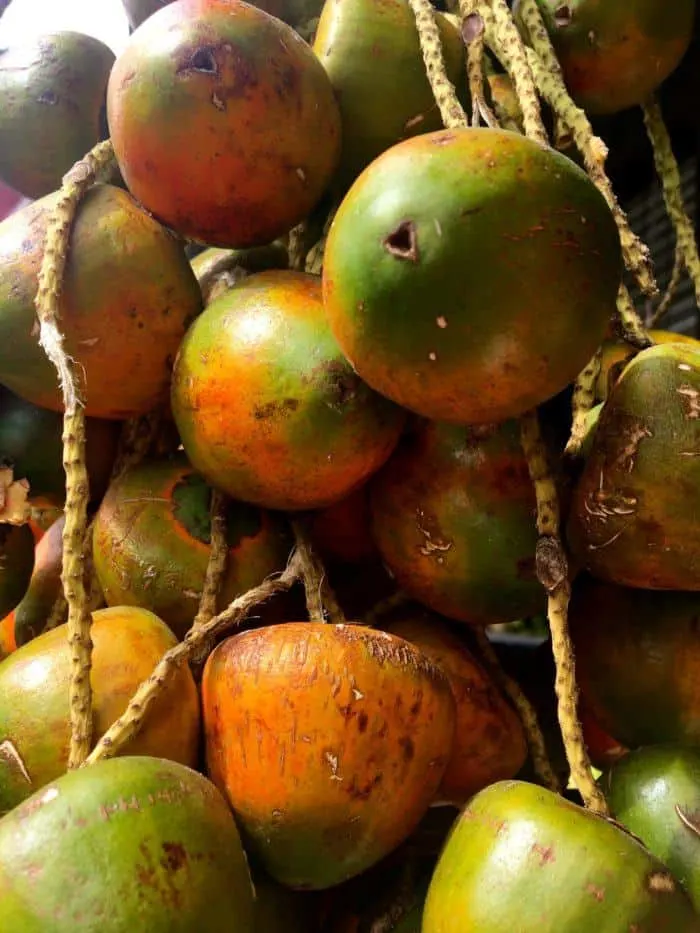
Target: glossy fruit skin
column 633, row 513
column 330, row 774
column 523, row 858
column 229, row 97
column 31, row 439
column 16, row 564
column 126, row 844
column 32, row 613
column 268, row 408
column 152, row 537
column 638, row 661
column 434, row 270
column 128, row 295
column 616, row 54
column 617, row 354
column 34, row 712
column 445, row 492
column 645, row 792
column 52, row 99
column 489, row 742
column 363, row 45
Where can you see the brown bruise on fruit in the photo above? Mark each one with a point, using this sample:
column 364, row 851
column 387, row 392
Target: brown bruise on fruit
column 330, row 775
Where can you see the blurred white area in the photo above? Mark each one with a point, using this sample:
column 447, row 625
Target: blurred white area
column 103, row 19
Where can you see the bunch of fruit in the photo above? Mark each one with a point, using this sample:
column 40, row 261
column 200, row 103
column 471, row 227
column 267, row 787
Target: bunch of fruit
column 317, row 361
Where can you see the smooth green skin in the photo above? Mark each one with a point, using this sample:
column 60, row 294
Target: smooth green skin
column 644, row 789
column 637, row 661
column 31, row 439
column 452, row 518
column 511, row 286
column 521, row 858
column 364, row 45
column 52, row 98
column 615, row 53
column 155, row 556
column 16, row 565
column 634, row 514
column 127, row 844
column 321, row 413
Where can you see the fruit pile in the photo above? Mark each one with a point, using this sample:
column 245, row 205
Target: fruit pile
column 317, row 361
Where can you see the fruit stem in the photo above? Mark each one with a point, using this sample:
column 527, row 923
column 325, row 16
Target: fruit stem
column 668, row 171
column 384, row 607
column 50, row 282
column 582, row 403
column 319, row 592
column 553, row 574
column 474, row 36
column 135, row 441
column 451, row 111
column 131, row 721
column 630, row 324
column 550, row 83
column 216, row 566
column 671, row 288
column 526, row 711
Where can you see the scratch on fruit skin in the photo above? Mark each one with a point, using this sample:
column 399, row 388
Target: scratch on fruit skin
column 691, row 401
column 8, row 751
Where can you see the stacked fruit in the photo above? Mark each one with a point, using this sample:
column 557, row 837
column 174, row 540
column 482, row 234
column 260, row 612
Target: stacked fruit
column 261, row 505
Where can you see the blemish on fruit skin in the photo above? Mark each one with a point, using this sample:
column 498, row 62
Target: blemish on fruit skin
column 432, row 356
column 441, row 322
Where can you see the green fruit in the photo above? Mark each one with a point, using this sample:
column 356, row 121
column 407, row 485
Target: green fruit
column 633, row 518
column 126, row 844
column 31, row 440
column 16, row 565
column 521, row 858
column 364, row 45
column 638, row 661
column 470, row 274
column 655, row 793
column 52, row 101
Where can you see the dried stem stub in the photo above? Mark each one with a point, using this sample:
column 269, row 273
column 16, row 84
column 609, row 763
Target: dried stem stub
column 50, row 282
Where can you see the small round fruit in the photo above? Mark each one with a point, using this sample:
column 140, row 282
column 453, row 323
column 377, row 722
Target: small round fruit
column 469, row 275
column 128, row 844
column 152, row 542
column 266, row 405
column 224, row 95
column 34, row 709
column 52, row 104
column 616, row 54
column 329, row 741
column 127, row 298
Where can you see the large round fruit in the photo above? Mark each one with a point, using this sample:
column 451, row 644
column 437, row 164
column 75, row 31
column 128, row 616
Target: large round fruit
column 364, row 45
column 127, row 844
column 329, row 742
column 489, row 743
column 615, row 54
column 32, row 613
column 52, row 100
column 521, row 858
column 16, row 565
column 229, row 98
column 453, row 517
column 655, row 793
column 34, row 710
column 470, row 274
column 31, row 440
column 633, row 518
column 638, row 661
column 127, row 298
column 266, row 405
column 152, row 538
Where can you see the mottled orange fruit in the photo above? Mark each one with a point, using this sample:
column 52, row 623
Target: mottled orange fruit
column 489, row 742
column 330, row 742
column 268, row 408
column 224, row 122
column 342, row 532
column 34, row 710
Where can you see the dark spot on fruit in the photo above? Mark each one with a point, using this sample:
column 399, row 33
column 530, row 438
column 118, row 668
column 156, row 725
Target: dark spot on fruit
column 201, row 60
column 362, row 721
column 343, row 384
column 407, row 747
column 403, row 242
column 271, row 409
column 174, row 856
column 416, row 707
column 563, row 16
column 444, row 139
column 363, row 793
column 48, row 97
